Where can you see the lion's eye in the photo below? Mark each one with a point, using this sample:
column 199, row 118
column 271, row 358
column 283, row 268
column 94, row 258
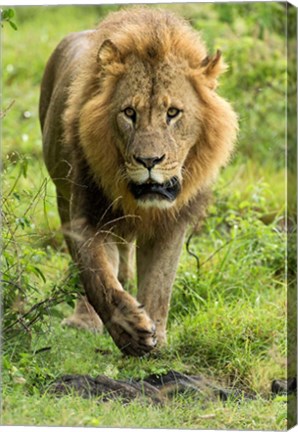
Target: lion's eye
column 172, row 113
column 130, row 113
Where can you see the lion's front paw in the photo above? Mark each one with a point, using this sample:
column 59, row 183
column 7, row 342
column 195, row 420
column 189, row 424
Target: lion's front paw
column 130, row 326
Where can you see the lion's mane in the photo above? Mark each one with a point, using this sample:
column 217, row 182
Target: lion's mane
column 152, row 36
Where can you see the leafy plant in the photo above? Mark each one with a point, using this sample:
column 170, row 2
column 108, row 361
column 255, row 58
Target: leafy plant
column 7, row 15
column 28, row 296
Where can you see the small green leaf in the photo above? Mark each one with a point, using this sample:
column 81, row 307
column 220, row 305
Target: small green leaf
column 24, row 167
column 38, row 272
column 10, row 13
column 4, row 15
column 70, row 300
column 13, row 25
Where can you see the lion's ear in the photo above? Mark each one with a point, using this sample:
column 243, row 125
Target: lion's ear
column 108, row 53
column 212, row 67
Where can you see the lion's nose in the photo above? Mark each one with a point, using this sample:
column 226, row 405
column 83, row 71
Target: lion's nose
column 149, row 162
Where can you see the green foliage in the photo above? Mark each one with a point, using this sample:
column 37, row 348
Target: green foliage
column 7, row 15
column 252, row 39
column 240, row 280
column 28, row 295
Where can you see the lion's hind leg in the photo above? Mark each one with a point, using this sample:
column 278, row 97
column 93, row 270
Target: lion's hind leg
column 84, row 317
column 126, row 265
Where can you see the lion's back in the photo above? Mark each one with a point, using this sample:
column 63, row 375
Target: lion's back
column 60, row 71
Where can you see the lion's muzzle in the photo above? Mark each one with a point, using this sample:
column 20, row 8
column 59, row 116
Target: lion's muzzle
column 152, row 191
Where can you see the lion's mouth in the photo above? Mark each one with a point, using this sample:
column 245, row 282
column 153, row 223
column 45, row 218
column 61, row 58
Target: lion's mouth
column 168, row 190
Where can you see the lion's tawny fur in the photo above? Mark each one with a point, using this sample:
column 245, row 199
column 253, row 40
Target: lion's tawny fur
column 153, row 63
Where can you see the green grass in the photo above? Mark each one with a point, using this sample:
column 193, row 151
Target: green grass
column 227, row 319
column 25, row 402
column 73, row 411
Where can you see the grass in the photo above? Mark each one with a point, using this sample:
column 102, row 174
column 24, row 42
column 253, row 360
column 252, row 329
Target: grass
column 26, row 404
column 188, row 414
column 227, row 319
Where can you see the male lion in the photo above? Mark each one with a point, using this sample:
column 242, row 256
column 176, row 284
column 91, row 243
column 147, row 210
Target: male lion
column 134, row 135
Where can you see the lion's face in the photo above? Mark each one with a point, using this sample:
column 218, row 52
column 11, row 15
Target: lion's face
column 154, row 131
column 157, row 116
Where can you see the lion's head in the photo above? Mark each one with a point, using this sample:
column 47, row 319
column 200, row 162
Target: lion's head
column 151, row 125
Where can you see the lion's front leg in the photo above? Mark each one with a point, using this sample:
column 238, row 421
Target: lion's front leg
column 125, row 319
column 157, row 262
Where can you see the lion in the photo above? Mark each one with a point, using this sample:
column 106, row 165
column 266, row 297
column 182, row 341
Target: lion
column 134, row 136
